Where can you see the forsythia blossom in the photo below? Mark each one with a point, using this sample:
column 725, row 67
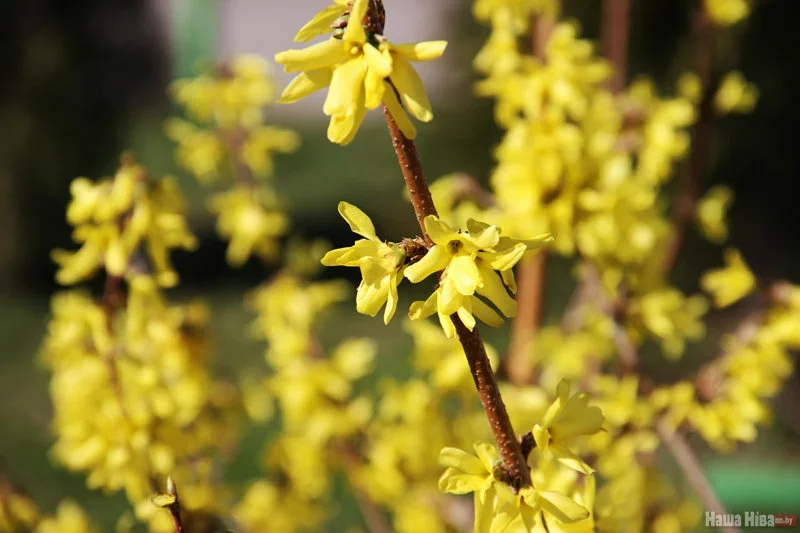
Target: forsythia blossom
column 381, row 264
column 362, row 70
column 711, row 211
column 567, row 418
column 119, row 218
column 730, row 284
column 469, row 262
column 496, row 505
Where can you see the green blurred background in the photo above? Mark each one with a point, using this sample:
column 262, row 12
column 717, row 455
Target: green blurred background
column 82, row 80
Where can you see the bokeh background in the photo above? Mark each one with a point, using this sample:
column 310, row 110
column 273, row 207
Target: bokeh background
column 82, row 80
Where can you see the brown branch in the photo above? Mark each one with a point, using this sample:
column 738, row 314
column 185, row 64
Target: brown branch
column 542, row 29
column 693, row 172
column 411, row 167
column 615, row 39
column 519, row 364
column 374, row 519
column 513, row 462
column 691, row 468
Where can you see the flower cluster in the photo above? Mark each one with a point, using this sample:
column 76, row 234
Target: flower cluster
column 132, row 398
column 19, row 513
column 225, row 140
column 362, row 69
column 121, row 221
column 467, row 264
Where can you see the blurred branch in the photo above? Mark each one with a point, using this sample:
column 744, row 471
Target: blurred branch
column 615, row 39
column 375, row 520
column 531, row 276
column 690, row 466
column 693, row 172
column 531, row 273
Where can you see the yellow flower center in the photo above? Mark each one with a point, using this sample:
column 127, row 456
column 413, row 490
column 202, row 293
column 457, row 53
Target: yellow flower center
column 454, row 247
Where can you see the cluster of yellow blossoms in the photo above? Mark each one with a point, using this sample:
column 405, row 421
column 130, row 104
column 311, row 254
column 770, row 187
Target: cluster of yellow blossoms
column 224, row 140
column 132, row 398
column 18, row 513
column 134, row 404
column 362, row 69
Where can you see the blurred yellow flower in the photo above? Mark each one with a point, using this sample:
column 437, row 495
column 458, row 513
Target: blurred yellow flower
column 252, row 222
column 727, row 12
column 711, row 211
column 567, row 418
column 735, row 94
column 730, row 284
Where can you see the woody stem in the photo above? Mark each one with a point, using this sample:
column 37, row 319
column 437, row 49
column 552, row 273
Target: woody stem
column 514, row 463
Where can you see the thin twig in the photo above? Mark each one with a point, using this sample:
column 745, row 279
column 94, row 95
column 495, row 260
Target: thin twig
column 692, row 174
column 531, row 276
column 483, row 376
column 691, row 468
column 616, row 32
column 513, row 462
column 375, row 520
column 411, row 168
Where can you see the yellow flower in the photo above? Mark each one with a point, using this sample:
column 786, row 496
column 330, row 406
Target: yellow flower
column 468, row 261
column 69, row 518
column 322, row 21
column 261, row 142
column 711, row 211
column 234, row 97
column 673, row 318
column 567, row 418
column 729, row 284
column 381, row 264
column 119, row 218
column 727, row 12
column 356, row 67
column 251, row 220
column 199, row 151
column 735, row 94
column 497, row 508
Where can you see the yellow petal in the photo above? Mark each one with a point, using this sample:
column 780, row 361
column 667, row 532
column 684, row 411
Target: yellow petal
column 355, row 29
column 486, row 314
column 461, row 460
column 374, row 89
column 435, row 260
column 563, row 508
column 464, row 274
column 343, row 128
column 466, row 316
column 398, row 113
column 494, row 290
column 566, row 457
column 320, row 24
column 391, row 301
column 411, row 89
column 438, row 230
column 346, row 87
column 358, row 221
column 321, row 55
column 424, row 51
column 305, row 84
column 380, row 63
column 424, row 309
